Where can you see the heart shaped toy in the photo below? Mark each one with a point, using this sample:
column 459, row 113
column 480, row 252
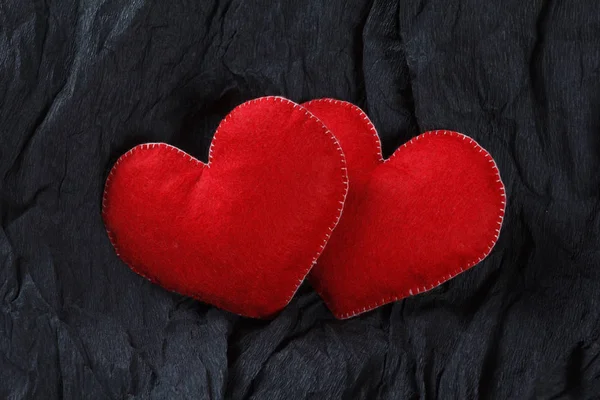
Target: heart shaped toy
column 242, row 231
column 431, row 211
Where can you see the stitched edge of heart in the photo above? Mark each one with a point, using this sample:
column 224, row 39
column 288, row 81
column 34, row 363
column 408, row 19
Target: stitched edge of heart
column 148, row 146
column 502, row 210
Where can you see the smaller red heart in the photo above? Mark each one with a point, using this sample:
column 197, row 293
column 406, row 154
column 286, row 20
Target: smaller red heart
column 431, row 211
column 242, row 231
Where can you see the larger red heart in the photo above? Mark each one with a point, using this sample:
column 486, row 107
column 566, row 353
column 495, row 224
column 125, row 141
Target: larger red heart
column 242, row 231
column 410, row 223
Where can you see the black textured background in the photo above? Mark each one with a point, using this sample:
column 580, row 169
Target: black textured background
column 82, row 81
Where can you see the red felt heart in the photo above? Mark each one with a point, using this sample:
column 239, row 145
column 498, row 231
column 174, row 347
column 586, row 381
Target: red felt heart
column 431, row 211
column 242, row 231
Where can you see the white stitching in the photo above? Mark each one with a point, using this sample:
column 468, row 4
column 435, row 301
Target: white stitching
column 480, row 149
column 343, row 169
column 363, row 115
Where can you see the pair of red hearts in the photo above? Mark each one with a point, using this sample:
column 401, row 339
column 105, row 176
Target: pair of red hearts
column 281, row 194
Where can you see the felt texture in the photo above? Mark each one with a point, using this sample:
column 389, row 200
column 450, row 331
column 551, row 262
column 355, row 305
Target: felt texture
column 448, row 202
column 242, row 231
column 83, row 82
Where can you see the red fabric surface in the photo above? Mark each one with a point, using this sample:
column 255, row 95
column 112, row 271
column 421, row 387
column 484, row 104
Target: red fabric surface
column 410, row 223
column 243, row 231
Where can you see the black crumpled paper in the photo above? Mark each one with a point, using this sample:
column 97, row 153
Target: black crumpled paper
column 83, row 81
